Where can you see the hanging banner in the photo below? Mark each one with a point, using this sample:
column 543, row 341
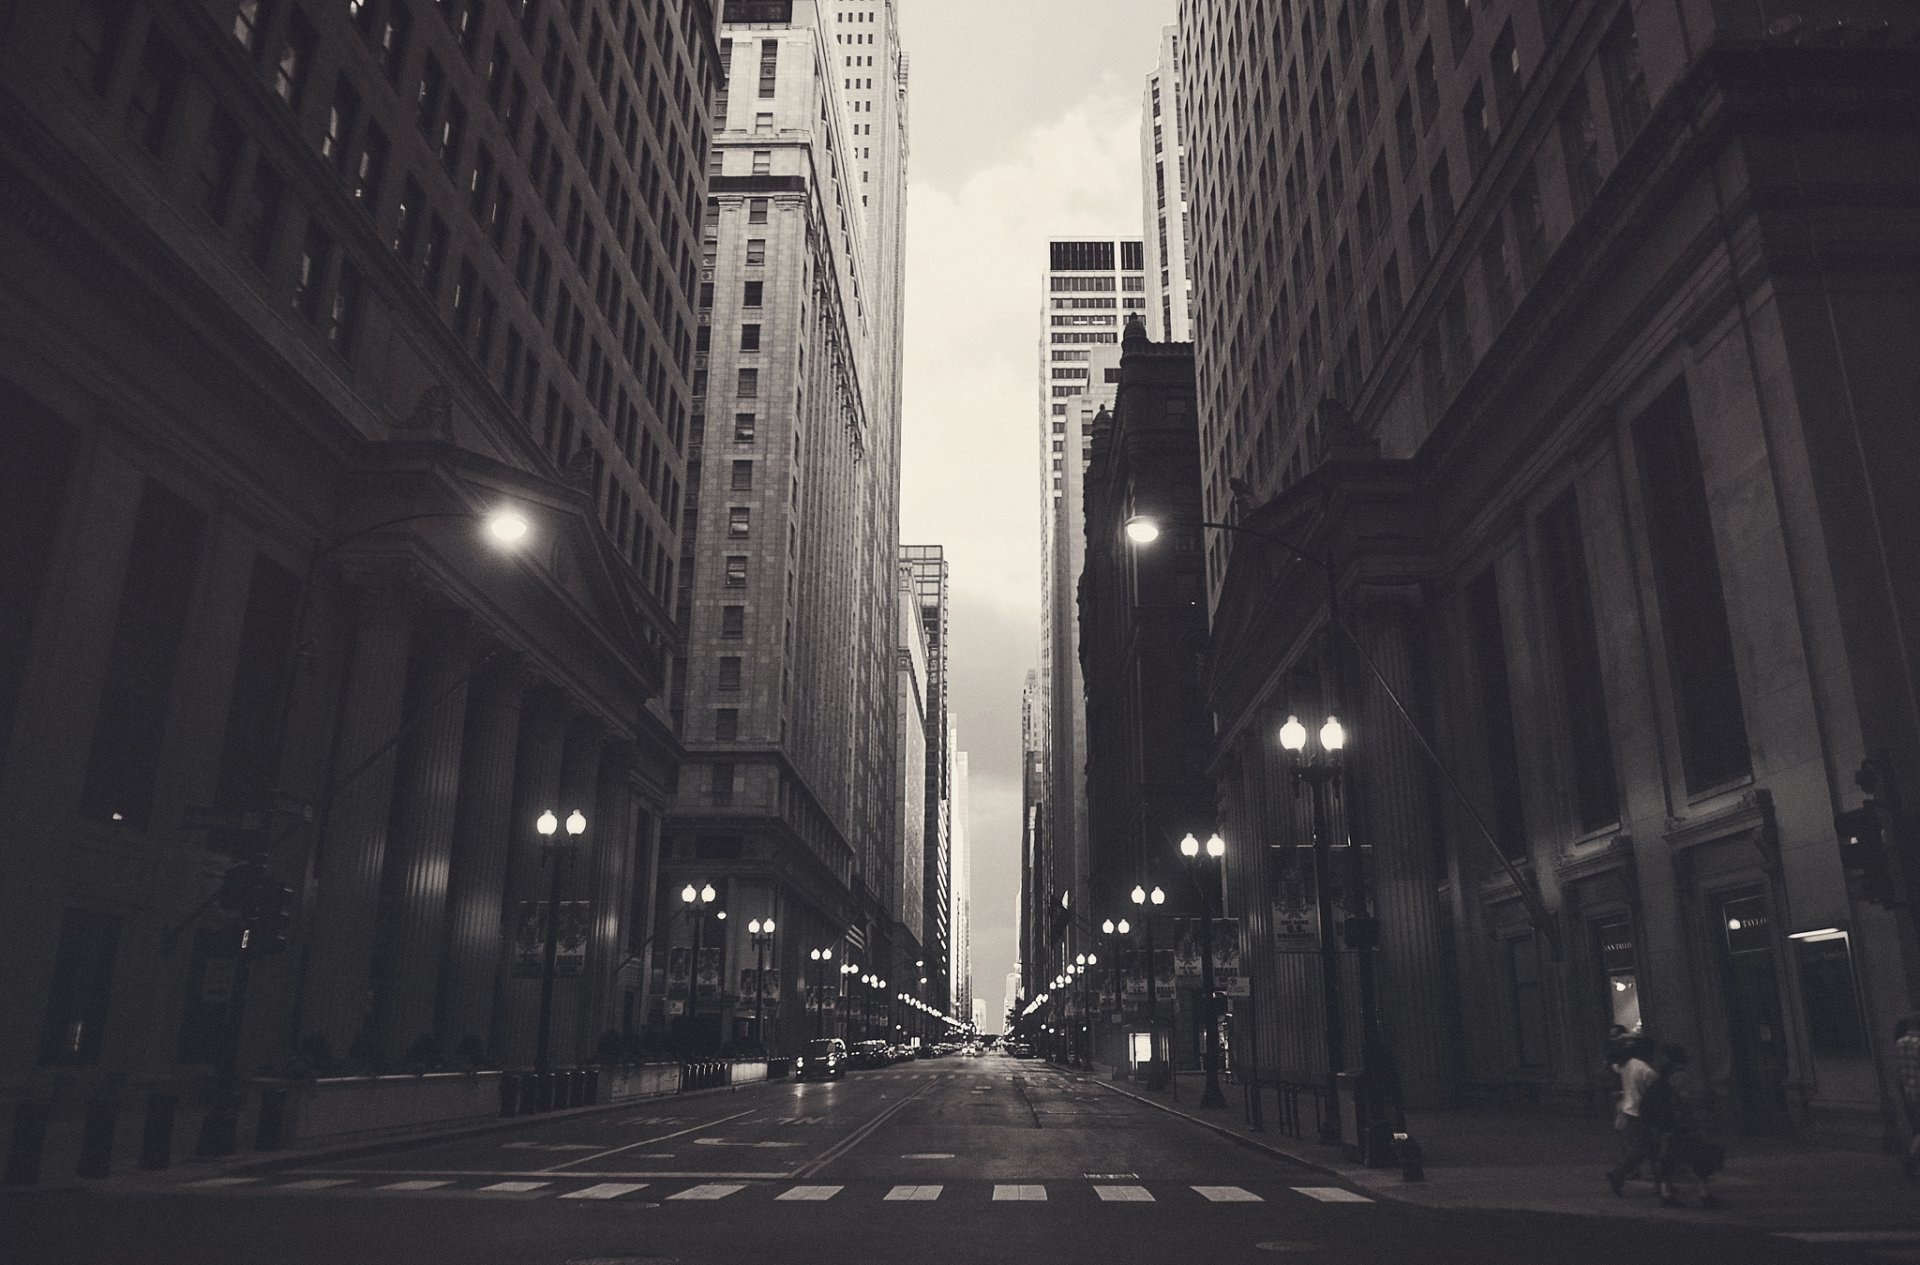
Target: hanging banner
column 570, row 955
column 709, row 967
column 1163, row 976
column 679, row 965
column 1186, row 948
column 1296, row 908
column 1228, row 977
column 1136, row 975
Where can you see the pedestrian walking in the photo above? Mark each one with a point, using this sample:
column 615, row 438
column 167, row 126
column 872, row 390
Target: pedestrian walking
column 1671, row 1107
column 1906, row 1058
column 1639, row 1144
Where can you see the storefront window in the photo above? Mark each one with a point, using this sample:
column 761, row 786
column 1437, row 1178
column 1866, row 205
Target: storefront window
column 1614, row 941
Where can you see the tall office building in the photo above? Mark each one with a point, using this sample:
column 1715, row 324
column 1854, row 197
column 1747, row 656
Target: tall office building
column 1033, row 797
column 908, row 880
column 1566, row 332
column 1163, row 193
column 1088, row 289
column 292, row 295
column 928, row 566
column 787, row 691
column 962, row 981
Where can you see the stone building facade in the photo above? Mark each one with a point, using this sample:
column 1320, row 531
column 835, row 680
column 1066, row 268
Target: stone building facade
column 1565, row 335
column 293, row 299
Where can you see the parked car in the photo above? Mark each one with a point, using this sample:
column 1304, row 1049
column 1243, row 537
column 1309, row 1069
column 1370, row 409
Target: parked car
column 862, row 1055
column 825, row 1059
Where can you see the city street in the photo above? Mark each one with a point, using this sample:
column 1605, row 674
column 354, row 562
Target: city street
column 956, row 1159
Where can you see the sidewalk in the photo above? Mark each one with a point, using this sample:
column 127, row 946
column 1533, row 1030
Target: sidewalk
column 1539, row 1162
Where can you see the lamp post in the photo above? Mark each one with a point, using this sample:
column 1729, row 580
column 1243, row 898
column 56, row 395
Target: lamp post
column 1320, row 772
column 820, row 959
column 847, row 971
column 552, row 852
column 1109, row 929
column 696, row 901
column 1216, row 847
column 761, row 930
column 1142, row 898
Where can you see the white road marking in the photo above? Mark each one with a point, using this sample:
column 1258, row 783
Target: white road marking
column 605, row 1190
column 414, row 1185
column 728, row 1142
column 1033, row 1194
column 1228, row 1195
column 711, row 1190
column 1124, row 1194
column 512, row 1188
column 634, row 1146
column 929, row 1155
column 315, row 1183
column 1332, row 1194
column 225, row 1181
column 919, row 1193
column 549, row 1146
column 1852, row 1236
column 810, row 1193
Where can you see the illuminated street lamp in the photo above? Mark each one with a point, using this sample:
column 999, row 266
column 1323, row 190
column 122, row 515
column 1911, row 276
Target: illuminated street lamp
column 552, row 852
column 820, row 959
column 1215, row 848
column 1320, row 772
column 761, row 930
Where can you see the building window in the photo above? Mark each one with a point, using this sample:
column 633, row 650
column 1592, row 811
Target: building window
column 747, row 386
column 135, row 700
column 1479, row 129
column 733, row 622
column 1620, row 968
column 756, row 210
column 155, row 91
column 1460, row 25
column 756, row 252
column 1581, row 149
column 1529, row 1002
column 371, row 169
column 726, row 723
column 742, row 476
column 763, row 122
column 393, row 40
column 81, row 988
column 261, row 222
column 736, row 577
column 743, row 428
column 311, row 277
column 739, row 521
column 762, row 162
column 1625, row 79
column 721, row 783
column 1487, row 643
column 219, row 169
column 343, row 318
column 1504, row 62
column 751, row 293
column 97, row 28
column 1582, row 687
column 769, row 67
column 1693, row 610
column 341, row 116
column 749, row 338
column 250, row 23
column 729, row 675
column 426, row 101
column 296, row 58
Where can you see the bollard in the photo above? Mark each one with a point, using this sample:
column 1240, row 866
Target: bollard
column 1412, row 1163
column 156, row 1137
column 96, row 1137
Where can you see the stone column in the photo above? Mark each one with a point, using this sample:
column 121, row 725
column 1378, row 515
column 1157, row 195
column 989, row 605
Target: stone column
column 579, row 788
column 536, row 788
column 422, row 844
column 1395, row 816
column 354, row 843
column 609, row 886
column 476, row 899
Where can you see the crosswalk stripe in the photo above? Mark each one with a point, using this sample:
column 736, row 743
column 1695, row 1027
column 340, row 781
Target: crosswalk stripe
column 1332, row 1194
column 710, row 1190
column 918, row 1193
column 225, row 1181
column 1026, row 1194
column 1123, row 1194
column 414, row 1185
column 605, row 1190
column 1852, row 1236
column 1228, row 1195
column 513, row 1188
column 315, row 1183
column 810, row 1193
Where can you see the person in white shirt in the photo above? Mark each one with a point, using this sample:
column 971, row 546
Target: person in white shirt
column 1639, row 1143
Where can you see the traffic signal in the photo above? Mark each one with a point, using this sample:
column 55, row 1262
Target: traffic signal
column 1864, row 853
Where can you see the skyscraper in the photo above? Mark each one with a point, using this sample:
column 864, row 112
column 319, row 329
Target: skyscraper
column 1088, row 289
column 962, row 986
column 786, row 696
column 297, row 293
column 928, row 566
column 1163, row 194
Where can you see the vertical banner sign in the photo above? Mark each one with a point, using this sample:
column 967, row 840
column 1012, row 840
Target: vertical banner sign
column 1228, row 977
column 1186, row 948
column 530, row 940
column 1136, row 976
column 570, row 955
column 813, row 999
column 1296, row 905
column 709, row 968
column 770, row 987
column 678, row 966
column 1163, row 975
column 747, row 990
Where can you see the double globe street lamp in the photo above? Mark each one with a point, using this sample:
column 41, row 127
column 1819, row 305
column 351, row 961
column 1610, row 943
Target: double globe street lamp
column 820, row 959
column 1142, row 898
column 1215, row 848
column 761, row 931
column 696, row 901
column 553, row 850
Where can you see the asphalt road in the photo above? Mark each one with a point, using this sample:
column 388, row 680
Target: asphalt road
column 952, row 1160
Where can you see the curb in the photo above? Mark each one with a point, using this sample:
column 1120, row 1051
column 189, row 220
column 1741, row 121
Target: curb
column 1252, row 1144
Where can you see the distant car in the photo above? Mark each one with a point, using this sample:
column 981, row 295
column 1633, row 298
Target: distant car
column 867, row 1054
column 1019, row 1049
column 825, row 1059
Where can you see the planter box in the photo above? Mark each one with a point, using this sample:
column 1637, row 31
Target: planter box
column 747, row 1071
column 356, row 1108
column 628, row 1081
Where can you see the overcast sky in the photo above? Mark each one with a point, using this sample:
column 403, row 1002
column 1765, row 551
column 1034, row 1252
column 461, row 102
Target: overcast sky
column 1025, row 125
